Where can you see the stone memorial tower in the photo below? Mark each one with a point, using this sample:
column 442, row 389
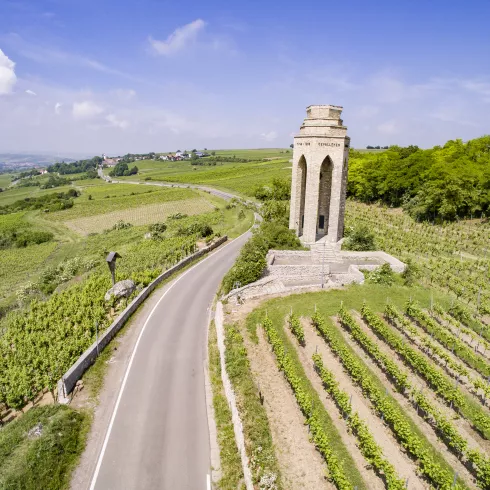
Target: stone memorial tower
column 319, row 183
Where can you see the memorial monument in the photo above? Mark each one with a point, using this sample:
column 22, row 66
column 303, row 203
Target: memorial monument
column 319, row 179
column 317, row 209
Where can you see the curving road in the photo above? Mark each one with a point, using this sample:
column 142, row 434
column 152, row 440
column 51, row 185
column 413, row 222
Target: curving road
column 211, row 190
column 158, row 434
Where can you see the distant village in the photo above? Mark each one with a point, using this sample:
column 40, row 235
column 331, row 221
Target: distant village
column 170, row 157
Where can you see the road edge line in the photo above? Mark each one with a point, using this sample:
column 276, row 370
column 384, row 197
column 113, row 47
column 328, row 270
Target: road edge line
column 214, row 449
column 133, row 354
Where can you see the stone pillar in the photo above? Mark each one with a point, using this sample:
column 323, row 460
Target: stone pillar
column 322, row 140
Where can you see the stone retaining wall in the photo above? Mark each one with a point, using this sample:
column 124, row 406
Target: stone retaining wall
column 70, row 378
column 395, row 264
column 297, row 271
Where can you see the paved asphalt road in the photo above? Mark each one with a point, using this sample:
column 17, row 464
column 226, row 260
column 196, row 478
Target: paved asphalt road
column 158, row 436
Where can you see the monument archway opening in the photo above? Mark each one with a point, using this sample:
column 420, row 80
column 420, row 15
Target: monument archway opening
column 324, row 195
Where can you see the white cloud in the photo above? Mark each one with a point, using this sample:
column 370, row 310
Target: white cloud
column 478, row 87
column 124, row 94
column 57, row 108
column 7, row 74
column 30, row 92
column 388, row 127
column 116, row 122
column 179, row 39
column 270, row 136
column 86, row 109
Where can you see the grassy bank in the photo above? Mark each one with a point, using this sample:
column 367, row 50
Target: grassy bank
column 256, row 430
column 231, row 467
column 40, row 450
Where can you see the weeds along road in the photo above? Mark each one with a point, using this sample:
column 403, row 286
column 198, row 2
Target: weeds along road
column 158, row 434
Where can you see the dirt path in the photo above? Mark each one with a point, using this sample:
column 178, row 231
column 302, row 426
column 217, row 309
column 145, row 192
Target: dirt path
column 301, row 464
column 391, row 449
column 462, row 425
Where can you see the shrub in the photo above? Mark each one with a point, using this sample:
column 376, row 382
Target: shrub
column 277, row 211
column 177, row 216
column 157, row 228
column 411, row 273
column 279, row 190
column 121, row 225
column 24, row 238
column 201, row 229
column 279, row 236
column 251, row 262
column 381, row 275
column 359, row 239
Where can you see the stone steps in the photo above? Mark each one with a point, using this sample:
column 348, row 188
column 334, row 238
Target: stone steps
column 327, row 253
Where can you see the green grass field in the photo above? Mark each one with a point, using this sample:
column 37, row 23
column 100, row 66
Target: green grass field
column 114, row 199
column 241, row 178
column 139, row 215
column 139, row 205
column 17, row 193
column 5, row 180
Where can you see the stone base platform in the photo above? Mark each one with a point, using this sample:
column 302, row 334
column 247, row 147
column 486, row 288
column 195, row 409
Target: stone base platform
column 323, row 266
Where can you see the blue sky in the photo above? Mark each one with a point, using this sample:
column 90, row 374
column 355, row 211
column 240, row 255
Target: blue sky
column 123, row 76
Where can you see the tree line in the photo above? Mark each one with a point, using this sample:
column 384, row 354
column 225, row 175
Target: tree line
column 75, row 167
column 443, row 183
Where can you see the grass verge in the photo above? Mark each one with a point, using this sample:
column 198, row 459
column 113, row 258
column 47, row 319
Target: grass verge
column 231, row 466
column 328, row 302
column 258, row 438
column 43, row 457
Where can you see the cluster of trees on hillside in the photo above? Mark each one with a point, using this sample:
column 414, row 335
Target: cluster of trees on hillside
column 75, row 167
column 49, row 202
column 369, row 147
column 28, row 174
column 132, row 157
column 442, row 183
column 122, row 169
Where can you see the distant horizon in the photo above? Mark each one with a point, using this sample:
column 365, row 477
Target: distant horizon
column 82, row 155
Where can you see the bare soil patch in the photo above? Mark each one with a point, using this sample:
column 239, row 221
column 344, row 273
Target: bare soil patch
column 300, row 463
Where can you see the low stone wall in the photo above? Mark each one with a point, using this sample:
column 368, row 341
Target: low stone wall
column 297, row 271
column 354, row 275
column 70, row 378
column 272, row 254
column 395, row 264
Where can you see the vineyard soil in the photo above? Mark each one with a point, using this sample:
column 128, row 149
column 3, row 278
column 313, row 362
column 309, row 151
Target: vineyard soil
column 301, row 465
